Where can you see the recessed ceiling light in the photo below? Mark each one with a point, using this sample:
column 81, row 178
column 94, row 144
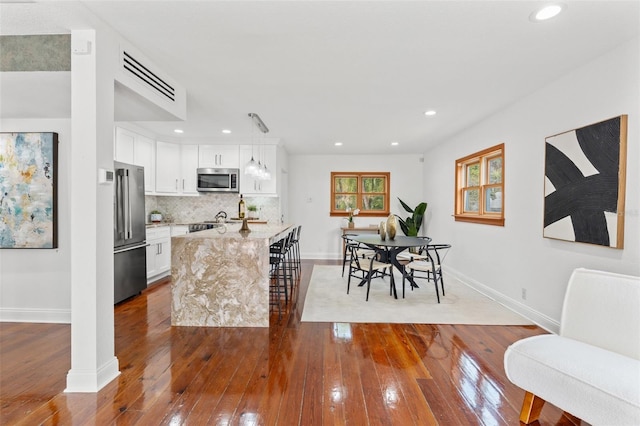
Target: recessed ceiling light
column 394, row 143
column 429, row 113
column 548, row 11
column 226, row 131
column 178, row 131
column 338, row 144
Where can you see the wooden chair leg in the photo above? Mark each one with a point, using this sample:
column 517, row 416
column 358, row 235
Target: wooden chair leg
column 531, row 408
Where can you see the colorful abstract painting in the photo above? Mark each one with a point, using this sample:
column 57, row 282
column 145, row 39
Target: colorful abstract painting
column 28, row 165
column 585, row 172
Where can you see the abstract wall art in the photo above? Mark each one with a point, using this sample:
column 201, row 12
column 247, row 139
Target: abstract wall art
column 28, row 193
column 584, row 186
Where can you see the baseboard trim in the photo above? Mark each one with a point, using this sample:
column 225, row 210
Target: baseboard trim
column 536, row 317
column 57, row 316
column 321, row 256
column 91, row 381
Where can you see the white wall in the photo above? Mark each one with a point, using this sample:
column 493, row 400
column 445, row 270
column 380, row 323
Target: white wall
column 310, row 193
column 503, row 260
column 35, row 284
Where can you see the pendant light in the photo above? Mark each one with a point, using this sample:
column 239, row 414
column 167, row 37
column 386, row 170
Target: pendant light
column 258, row 170
column 251, row 167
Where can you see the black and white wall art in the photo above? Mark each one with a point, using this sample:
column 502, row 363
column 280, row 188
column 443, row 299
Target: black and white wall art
column 584, row 184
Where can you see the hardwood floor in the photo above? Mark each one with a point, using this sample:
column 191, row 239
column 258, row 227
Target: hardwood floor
column 292, row 373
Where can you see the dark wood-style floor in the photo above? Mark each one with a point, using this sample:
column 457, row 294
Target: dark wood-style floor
column 292, row 373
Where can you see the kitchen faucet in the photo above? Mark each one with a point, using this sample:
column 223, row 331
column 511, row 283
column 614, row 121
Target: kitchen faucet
column 221, row 216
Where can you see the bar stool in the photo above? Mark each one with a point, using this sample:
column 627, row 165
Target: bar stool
column 278, row 272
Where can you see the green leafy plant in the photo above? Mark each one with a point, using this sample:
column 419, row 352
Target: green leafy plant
column 155, row 212
column 411, row 225
column 252, row 208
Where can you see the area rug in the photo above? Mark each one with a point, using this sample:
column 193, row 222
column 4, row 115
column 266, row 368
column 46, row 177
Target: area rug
column 327, row 301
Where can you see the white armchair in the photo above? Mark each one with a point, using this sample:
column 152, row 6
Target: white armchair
column 592, row 368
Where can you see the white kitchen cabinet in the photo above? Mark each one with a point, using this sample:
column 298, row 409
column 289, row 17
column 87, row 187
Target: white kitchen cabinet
column 158, row 253
column 176, row 168
column 189, row 168
column 266, row 154
column 123, row 146
column 218, row 156
column 132, row 148
column 179, row 230
column 167, row 167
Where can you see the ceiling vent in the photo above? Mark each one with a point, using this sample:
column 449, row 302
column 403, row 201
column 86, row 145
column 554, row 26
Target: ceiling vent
column 135, row 67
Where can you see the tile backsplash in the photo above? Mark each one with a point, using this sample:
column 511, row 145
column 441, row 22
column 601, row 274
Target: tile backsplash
column 205, row 207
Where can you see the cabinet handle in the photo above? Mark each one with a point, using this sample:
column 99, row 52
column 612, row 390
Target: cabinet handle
column 183, row 184
column 176, row 184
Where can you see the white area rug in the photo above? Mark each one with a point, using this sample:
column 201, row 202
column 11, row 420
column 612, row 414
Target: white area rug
column 327, row 301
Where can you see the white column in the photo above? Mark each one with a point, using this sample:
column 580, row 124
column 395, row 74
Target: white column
column 93, row 361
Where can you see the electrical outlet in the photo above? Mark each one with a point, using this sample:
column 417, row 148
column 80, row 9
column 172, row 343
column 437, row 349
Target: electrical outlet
column 524, row 294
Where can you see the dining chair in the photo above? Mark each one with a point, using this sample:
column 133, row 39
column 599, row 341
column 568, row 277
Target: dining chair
column 429, row 267
column 364, row 268
column 418, row 253
column 361, row 251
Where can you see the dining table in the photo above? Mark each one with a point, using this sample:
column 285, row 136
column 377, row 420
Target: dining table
column 388, row 250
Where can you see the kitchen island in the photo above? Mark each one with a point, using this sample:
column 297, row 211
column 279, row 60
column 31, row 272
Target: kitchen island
column 220, row 277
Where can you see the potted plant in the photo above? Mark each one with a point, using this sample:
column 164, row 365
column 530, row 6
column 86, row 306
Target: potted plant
column 411, row 225
column 155, row 216
column 252, row 211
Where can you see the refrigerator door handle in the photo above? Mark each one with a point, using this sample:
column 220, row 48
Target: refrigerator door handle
column 119, row 206
column 127, row 207
column 131, row 248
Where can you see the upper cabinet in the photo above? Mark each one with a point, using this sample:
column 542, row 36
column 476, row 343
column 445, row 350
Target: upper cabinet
column 189, row 168
column 176, row 165
column 266, row 154
column 218, row 156
column 132, row 148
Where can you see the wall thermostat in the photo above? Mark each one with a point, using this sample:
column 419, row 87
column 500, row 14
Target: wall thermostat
column 105, row 176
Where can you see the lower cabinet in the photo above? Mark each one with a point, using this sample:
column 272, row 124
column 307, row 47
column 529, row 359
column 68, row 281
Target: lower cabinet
column 179, row 230
column 158, row 253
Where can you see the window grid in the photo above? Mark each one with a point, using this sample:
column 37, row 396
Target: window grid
column 371, row 200
column 479, row 194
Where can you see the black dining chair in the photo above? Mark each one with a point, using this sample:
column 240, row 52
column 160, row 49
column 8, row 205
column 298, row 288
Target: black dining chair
column 361, row 251
column 429, row 267
column 364, row 268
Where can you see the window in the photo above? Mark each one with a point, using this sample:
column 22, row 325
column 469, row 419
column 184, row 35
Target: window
column 368, row 192
column 480, row 187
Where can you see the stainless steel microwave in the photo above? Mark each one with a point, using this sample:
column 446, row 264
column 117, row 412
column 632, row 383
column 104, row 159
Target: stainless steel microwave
column 218, row 180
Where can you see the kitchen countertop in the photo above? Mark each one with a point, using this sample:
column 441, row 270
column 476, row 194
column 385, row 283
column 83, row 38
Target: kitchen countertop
column 232, row 231
column 158, row 225
column 229, row 221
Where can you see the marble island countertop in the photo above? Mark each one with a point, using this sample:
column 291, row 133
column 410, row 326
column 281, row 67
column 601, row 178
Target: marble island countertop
column 229, row 221
column 220, row 276
column 258, row 231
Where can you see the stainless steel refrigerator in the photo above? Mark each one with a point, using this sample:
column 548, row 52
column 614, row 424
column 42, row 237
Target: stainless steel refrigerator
column 130, row 254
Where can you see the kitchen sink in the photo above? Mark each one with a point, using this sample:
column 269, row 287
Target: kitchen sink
column 195, row 227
